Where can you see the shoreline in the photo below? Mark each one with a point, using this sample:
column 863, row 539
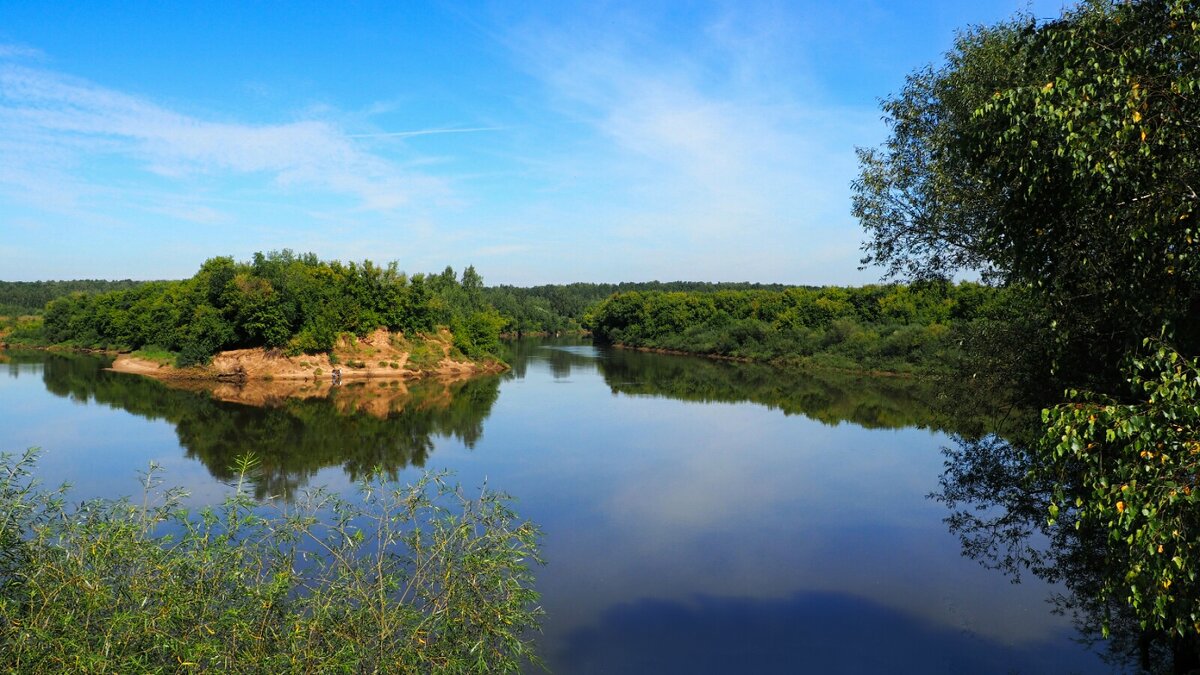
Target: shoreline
column 259, row 365
column 379, row 355
column 807, row 365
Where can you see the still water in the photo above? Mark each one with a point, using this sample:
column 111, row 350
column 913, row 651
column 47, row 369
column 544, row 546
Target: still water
column 697, row 516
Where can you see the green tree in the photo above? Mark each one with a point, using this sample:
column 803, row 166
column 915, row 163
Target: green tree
column 1138, row 465
column 1060, row 157
column 278, row 300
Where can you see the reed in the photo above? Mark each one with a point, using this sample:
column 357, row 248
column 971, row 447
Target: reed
column 406, row 578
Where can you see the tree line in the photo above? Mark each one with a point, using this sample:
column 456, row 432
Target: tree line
column 278, row 300
column 557, row 308
column 882, row 327
column 18, row 298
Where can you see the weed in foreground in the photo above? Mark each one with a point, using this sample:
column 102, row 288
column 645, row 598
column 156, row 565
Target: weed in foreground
column 415, row 578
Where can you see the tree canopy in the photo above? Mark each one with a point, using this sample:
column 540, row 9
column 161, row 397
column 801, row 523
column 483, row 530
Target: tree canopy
column 1057, row 156
column 895, row 327
column 281, row 300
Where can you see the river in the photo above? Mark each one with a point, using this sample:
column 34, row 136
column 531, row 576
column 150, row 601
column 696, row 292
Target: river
column 698, row 516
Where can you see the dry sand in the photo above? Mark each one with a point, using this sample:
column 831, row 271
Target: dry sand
column 262, row 376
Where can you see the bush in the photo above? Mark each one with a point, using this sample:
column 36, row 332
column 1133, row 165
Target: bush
column 414, row 578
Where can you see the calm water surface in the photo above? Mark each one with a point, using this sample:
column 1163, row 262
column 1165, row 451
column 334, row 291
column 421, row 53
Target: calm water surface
column 698, row 516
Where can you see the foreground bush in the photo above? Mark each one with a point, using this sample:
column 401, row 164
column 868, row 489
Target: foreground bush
column 416, row 578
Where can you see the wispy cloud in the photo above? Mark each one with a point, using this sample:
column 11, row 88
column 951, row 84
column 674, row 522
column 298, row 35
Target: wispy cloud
column 425, row 132
column 704, row 142
column 14, row 51
column 54, row 127
column 501, row 250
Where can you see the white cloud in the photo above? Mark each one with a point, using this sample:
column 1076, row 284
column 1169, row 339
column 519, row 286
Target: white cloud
column 52, row 127
column 12, row 51
column 715, row 141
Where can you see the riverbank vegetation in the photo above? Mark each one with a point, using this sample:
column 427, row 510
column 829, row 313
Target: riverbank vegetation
column 406, row 579
column 294, row 303
column 561, row 308
column 300, row 304
column 898, row 328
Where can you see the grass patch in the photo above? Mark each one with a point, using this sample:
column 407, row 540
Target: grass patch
column 424, row 354
column 26, row 331
column 156, row 354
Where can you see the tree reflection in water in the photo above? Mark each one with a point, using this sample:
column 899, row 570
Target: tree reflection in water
column 996, row 496
column 999, row 497
column 830, row 397
column 363, row 427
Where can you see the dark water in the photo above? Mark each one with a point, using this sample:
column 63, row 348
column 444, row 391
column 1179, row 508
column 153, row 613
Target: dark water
column 698, row 516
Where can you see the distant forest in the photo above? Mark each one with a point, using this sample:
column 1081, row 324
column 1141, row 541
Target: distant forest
column 554, row 308
column 19, row 298
column 300, row 304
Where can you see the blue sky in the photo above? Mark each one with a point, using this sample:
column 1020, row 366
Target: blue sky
column 541, row 142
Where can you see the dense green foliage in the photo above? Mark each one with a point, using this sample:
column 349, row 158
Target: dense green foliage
column 30, row 297
column 1060, row 157
column 279, row 300
column 1097, row 494
column 1139, row 464
column 25, row 329
column 414, row 578
column 899, row 328
column 557, row 308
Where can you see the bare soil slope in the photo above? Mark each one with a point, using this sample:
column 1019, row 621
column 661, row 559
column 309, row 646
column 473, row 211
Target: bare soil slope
column 379, row 355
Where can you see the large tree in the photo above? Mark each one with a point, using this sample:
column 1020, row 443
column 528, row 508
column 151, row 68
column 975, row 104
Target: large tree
column 1061, row 157
column 1058, row 156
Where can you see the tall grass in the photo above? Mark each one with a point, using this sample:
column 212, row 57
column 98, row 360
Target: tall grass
column 416, row 578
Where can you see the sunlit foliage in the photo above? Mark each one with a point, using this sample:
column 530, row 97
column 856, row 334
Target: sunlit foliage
column 280, row 300
column 896, row 327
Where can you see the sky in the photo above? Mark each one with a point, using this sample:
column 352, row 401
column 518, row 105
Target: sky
column 541, row 142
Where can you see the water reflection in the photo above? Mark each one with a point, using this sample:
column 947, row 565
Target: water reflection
column 808, row 632
column 734, row 534
column 362, row 427
column 998, row 503
column 827, row 396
